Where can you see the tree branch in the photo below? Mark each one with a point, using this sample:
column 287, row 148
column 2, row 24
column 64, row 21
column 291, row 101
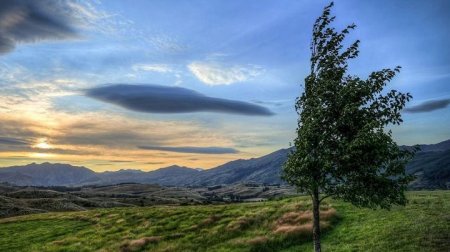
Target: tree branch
column 326, row 196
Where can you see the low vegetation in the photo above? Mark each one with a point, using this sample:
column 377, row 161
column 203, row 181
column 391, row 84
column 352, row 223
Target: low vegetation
column 22, row 200
column 275, row 225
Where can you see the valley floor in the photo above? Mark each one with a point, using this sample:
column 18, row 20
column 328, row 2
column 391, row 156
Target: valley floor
column 276, row 225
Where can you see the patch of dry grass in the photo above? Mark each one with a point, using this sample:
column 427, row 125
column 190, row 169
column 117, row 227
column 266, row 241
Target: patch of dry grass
column 302, row 229
column 137, row 244
column 294, row 218
column 300, row 222
column 241, row 223
column 258, row 240
column 328, row 214
column 208, row 221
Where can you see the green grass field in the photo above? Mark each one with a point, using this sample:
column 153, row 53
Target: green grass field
column 279, row 225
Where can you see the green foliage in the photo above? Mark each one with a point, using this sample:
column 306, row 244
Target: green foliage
column 420, row 226
column 342, row 148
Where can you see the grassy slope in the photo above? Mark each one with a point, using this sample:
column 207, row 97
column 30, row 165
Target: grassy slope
column 423, row 225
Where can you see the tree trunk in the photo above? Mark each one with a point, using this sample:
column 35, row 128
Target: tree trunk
column 316, row 220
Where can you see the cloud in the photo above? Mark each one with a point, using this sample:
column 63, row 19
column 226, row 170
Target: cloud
column 160, row 68
column 271, row 103
column 154, row 163
column 13, row 141
column 78, row 152
column 215, row 74
column 19, row 144
column 165, row 43
column 93, row 137
column 428, row 106
column 189, row 149
column 164, row 99
column 27, row 21
column 100, row 131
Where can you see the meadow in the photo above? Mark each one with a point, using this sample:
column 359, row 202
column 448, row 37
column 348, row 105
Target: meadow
column 275, row 225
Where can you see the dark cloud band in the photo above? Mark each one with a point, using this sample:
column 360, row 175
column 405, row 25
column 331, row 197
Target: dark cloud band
column 164, row 99
column 186, row 149
column 429, row 106
column 13, row 141
column 26, row 21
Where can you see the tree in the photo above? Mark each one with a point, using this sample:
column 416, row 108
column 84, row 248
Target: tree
column 342, row 149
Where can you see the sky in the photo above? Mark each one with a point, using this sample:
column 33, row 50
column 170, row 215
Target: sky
column 146, row 84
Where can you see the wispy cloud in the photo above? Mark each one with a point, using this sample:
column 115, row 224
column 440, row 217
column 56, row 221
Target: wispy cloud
column 160, row 68
column 166, row 44
column 216, row 74
column 13, row 141
column 191, row 149
column 12, row 73
column 163, row 99
column 87, row 15
column 154, row 163
column 273, row 103
column 428, row 106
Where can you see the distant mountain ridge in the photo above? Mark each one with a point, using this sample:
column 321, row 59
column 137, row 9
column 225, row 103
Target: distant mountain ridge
column 167, row 176
column 431, row 165
column 46, row 174
column 262, row 170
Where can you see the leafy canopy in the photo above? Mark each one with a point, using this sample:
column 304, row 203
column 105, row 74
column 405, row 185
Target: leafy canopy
column 342, row 147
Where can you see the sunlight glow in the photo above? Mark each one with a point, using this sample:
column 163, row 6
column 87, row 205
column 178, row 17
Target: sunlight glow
column 41, row 155
column 42, row 144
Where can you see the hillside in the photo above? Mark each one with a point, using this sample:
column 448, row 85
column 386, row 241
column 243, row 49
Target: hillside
column 432, row 169
column 431, row 165
column 16, row 200
column 263, row 170
column 280, row 225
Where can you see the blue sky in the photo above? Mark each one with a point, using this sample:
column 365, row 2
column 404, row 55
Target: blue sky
column 252, row 52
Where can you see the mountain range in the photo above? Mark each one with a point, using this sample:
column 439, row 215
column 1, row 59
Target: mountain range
column 431, row 165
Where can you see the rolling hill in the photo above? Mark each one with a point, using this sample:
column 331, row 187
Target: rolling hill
column 431, row 165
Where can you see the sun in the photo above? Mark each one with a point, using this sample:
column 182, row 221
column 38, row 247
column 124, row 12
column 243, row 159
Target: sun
column 42, row 144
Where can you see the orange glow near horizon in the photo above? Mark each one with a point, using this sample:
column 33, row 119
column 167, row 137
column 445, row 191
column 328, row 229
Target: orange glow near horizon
column 41, row 155
column 85, row 139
